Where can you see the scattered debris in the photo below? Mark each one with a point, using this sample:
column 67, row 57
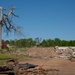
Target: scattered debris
column 25, row 69
column 39, row 71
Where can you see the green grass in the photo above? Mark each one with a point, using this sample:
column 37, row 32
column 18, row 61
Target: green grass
column 10, row 56
column 5, row 56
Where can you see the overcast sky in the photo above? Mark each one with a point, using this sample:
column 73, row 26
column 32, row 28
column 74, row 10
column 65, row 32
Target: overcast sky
column 46, row 19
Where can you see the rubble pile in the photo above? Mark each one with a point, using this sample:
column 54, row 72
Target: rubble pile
column 27, row 69
column 39, row 71
column 41, row 52
column 51, row 52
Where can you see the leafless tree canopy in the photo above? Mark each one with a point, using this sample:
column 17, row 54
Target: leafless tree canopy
column 7, row 23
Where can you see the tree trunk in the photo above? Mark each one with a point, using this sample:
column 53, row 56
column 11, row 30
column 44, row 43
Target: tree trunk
column 0, row 36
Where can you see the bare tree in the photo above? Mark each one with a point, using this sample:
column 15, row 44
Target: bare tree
column 7, row 24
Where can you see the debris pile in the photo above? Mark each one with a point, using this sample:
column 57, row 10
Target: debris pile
column 50, row 52
column 39, row 52
column 26, row 69
column 39, row 71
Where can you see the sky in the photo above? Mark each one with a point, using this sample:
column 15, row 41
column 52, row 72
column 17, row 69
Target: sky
column 46, row 19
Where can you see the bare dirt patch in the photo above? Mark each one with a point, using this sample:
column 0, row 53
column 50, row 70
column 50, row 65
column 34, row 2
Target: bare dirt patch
column 45, row 58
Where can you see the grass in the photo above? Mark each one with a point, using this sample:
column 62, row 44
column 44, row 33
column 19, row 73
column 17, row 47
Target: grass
column 5, row 56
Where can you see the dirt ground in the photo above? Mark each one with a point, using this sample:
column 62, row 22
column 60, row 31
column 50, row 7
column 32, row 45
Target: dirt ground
column 43, row 58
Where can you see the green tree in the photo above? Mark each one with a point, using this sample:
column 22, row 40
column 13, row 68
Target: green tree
column 44, row 43
column 64, row 43
column 71, row 43
column 50, row 43
column 24, row 42
column 30, row 42
column 57, row 42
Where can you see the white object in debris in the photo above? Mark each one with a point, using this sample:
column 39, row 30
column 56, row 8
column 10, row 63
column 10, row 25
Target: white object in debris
column 73, row 54
column 61, row 48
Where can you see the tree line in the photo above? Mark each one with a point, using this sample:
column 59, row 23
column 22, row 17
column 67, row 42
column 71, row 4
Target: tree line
column 41, row 43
